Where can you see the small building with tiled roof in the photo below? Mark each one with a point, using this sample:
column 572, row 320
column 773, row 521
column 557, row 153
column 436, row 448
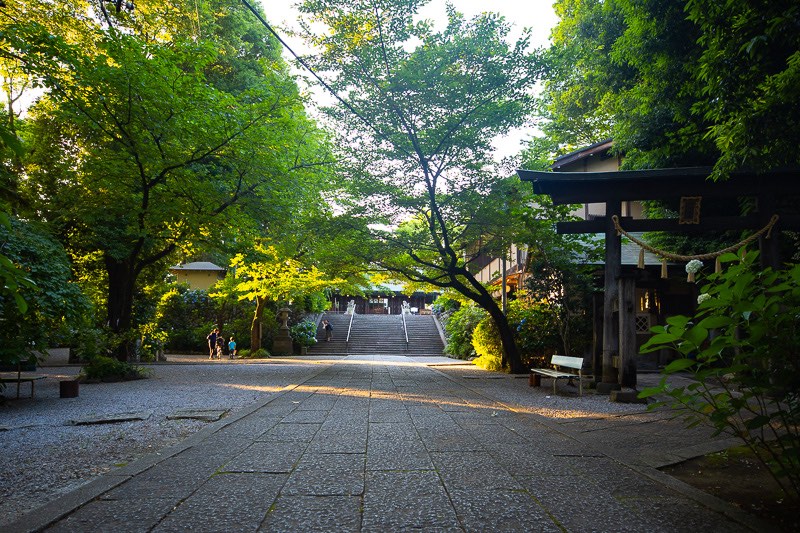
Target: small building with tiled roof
column 200, row 275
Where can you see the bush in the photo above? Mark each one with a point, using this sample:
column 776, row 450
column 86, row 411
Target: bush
column 486, row 342
column 459, row 327
column 102, row 368
column 261, row 353
column 444, row 305
column 535, row 332
column 304, row 333
column 741, row 348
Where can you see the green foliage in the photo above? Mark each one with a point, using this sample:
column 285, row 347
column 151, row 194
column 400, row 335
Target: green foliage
column 741, row 350
column 102, row 368
column 261, row 353
column 536, row 333
column 487, row 345
column 316, row 302
column 417, row 156
column 459, row 328
column 55, row 307
column 749, row 74
column 304, row 333
column 210, row 143
column 185, row 316
column 675, row 83
column 444, row 305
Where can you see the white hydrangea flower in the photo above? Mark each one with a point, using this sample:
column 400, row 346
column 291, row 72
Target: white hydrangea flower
column 694, row 266
column 703, row 297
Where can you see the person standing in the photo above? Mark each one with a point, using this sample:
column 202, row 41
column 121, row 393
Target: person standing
column 212, row 342
column 328, row 330
column 232, row 348
column 220, row 345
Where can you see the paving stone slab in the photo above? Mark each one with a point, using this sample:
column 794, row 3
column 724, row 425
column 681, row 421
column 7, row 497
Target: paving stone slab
column 310, row 416
column 291, row 433
column 293, row 513
column 407, row 501
column 115, row 418
column 226, row 502
column 398, row 455
column 397, row 416
column 579, row 504
column 267, row 457
column 323, row 474
column 501, row 511
column 383, row 431
column 673, row 513
column 477, row 470
column 448, row 441
column 339, row 442
column 115, row 516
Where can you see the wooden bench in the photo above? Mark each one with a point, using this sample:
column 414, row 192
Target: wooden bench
column 555, row 373
column 21, row 379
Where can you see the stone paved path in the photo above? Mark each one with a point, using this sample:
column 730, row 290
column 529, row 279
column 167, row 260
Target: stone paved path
column 376, row 444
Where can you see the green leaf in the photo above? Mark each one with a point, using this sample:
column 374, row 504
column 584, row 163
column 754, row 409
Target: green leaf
column 22, row 305
column 679, row 321
column 696, row 335
column 649, row 392
column 679, row 365
column 757, row 422
column 714, row 322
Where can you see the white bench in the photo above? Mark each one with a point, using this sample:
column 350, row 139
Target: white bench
column 555, row 373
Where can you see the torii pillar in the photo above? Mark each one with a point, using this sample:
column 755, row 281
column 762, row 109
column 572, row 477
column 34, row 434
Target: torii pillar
column 613, row 270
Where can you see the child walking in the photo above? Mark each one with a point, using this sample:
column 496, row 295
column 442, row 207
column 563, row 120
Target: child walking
column 232, row 348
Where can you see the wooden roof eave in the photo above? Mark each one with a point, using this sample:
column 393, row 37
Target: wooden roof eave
column 656, row 184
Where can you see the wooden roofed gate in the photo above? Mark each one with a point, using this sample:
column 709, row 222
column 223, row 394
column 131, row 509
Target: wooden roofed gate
column 689, row 185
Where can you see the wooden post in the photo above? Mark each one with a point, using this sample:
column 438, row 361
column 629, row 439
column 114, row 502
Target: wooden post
column 597, row 336
column 613, row 268
column 627, row 332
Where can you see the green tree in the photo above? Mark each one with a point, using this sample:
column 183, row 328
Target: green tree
column 419, row 112
column 53, row 305
column 153, row 138
column 268, row 276
column 675, row 82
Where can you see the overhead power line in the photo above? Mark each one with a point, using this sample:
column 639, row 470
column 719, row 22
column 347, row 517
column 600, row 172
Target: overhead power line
column 313, row 73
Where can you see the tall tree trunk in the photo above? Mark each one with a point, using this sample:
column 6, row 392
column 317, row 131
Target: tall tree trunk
column 255, row 327
column 511, row 358
column 121, row 283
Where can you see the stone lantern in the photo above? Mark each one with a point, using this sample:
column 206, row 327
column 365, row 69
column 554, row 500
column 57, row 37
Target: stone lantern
column 282, row 344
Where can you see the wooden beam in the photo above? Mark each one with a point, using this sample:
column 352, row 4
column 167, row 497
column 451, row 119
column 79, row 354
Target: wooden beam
column 657, row 184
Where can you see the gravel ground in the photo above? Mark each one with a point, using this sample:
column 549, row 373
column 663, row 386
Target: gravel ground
column 43, row 456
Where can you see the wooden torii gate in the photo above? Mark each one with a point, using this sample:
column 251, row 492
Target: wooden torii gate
column 775, row 192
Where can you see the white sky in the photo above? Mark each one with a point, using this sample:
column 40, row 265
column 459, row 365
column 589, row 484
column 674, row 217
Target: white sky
column 538, row 15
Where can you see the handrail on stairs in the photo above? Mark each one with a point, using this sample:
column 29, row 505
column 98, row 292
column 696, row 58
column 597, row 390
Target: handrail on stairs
column 347, row 341
column 405, row 328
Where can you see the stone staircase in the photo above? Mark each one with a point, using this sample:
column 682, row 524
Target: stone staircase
column 379, row 335
column 423, row 336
